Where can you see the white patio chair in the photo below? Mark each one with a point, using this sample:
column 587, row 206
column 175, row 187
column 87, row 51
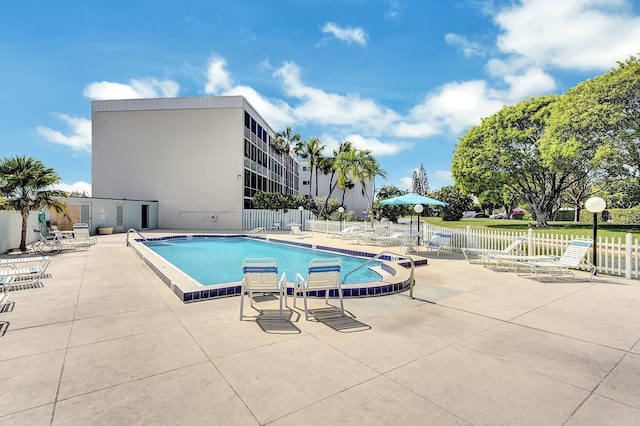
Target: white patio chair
column 296, row 232
column 573, row 257
column 511, row 249
column 81, row 234
column 323, row 275
column 261, row 276
column 439, row 241
column 26, row 270
column 6, row 283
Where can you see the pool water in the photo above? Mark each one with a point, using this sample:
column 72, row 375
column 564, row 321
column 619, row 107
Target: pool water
column 219, row 260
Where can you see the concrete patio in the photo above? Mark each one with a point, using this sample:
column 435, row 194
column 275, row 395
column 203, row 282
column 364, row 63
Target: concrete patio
column 104, row 341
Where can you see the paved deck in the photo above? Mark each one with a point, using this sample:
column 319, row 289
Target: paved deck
column 104, row 341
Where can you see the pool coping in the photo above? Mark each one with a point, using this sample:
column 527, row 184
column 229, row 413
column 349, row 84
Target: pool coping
column 189, row 290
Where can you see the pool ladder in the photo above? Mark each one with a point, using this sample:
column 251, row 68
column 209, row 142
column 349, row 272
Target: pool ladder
column 136, row 231
column 394, row 256
column 259, row 230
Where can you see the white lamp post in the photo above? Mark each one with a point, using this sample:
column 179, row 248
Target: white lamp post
column 301, row 209
column 595, row 205
column 341, row 210
column 418, row 208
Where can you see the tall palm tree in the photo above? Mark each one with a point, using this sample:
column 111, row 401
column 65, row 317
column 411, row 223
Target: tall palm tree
column 26, row 185
column 283, row 141
column 328, row 165
column 311, row 151
column 359, row 166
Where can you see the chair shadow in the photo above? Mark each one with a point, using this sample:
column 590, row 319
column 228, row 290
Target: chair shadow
column 4, row 326
column 269, row 321
column 332, row 318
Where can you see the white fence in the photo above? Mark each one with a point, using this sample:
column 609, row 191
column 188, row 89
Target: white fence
column 615, row 256
column 252, row 219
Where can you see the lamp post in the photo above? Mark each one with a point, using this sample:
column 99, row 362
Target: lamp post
column 418, row 208
column 595, row 205
column 301, row 209
column 341, row 210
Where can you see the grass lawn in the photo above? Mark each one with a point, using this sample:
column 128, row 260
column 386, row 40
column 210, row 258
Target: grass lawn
column 567, row 228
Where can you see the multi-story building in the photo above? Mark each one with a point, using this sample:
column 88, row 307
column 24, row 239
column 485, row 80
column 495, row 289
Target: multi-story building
column 201, row 158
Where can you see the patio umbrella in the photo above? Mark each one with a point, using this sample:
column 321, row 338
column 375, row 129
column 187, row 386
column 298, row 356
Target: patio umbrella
column 412, row 198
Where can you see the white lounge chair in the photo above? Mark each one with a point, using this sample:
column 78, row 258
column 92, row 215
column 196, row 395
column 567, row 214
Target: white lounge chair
column 511, row 249
column 323, row 275
column 395, row 239
column 81, row 234
column 261, row 276
column 346, row 233
column 439, row 241
column 6, row 283
column 48, row 244
column 573, row 257
column 24, row 274
column 298, row 233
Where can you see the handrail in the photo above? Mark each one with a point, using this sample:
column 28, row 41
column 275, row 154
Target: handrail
column 136, row 231
column 258, row 229
column 391, row 253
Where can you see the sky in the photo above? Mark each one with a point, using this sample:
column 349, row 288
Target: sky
column 402, row 78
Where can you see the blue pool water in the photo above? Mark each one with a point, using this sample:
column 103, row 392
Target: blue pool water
column 219, row 260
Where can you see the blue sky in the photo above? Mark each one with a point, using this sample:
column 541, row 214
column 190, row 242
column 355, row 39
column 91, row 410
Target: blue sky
column 403, row 78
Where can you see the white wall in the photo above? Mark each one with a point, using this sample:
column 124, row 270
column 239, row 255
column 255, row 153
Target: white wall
column 11, row 229
column 190, row 160
column 354, row 200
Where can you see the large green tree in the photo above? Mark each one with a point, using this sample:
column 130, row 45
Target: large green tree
column 311, row 151
column 25, row 185
column 602, row 116
column 327, row 165
column 511, row 150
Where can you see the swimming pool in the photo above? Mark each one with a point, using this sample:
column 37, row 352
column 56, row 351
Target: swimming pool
column 395, row 277
column 213, row 261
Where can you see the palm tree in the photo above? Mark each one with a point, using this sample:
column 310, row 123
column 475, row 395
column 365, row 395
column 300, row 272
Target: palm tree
column 311, row 151
column 328, row 165
column 359, row 166
column 283, row 141
column 25, row 183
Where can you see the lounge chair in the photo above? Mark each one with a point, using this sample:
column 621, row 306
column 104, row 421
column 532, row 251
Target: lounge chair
column 511, row 249
column 346, row 233
column 323, row 276
column 81, row 234
column 24, row 274
column 439, row 241
column 261, row 276
column 297, row 232
column 573, row 257
column 48, row 244
column 6, row 283
column 395, row 239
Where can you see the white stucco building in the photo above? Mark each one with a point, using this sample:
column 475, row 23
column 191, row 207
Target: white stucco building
column 202, row 158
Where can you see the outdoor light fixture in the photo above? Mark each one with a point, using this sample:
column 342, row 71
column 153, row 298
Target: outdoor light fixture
column 595, row 205
column 341, row 210
column 301, row 209
column 418, row 208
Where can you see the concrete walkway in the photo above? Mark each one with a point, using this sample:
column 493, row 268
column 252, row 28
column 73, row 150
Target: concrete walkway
column 104, row 341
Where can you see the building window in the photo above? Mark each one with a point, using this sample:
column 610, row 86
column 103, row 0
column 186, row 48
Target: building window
column 305, row 182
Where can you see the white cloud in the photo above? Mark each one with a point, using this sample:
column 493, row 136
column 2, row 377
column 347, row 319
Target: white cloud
column 569, row 34
column 454, row 106
column 406, row 183
column 530, row 83
column 348, row 35
column 320, row 107
column 218, row 79
column 78, row 138
column 377, row 147
column 79, row 186
column 136, row 89
column 469, row 48
column 394, row 10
